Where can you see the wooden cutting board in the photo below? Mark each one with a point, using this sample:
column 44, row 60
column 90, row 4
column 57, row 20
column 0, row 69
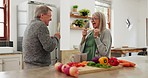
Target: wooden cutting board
column 89, row 69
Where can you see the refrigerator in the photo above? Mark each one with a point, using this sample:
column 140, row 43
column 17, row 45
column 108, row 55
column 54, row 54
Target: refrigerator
column 25, row 13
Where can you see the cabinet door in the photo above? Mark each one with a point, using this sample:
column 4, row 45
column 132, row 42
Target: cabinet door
column 1, row 63
column 11, row 64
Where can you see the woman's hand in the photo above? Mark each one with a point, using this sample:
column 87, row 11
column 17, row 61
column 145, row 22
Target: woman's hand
column 96, row 32
column 84, row 32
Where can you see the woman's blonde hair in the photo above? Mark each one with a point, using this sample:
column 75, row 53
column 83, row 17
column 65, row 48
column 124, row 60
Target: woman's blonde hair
column 102, row 20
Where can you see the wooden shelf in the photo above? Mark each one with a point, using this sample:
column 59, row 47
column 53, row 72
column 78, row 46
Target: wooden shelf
column 77, row 28
column 78, row 16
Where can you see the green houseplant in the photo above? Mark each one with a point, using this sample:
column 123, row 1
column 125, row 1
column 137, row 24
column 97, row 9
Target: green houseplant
column 84, row 12
column 74, row 8
column 79, row 22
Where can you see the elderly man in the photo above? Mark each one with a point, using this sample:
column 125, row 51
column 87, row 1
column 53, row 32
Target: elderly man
column 37, row 42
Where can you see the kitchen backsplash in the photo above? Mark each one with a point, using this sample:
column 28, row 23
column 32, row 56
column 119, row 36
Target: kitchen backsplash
column 5, row 43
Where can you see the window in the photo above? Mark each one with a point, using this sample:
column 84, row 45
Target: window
column 104, row 7
column 4, row 19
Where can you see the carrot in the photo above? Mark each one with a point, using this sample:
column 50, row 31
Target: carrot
column 126, row 63
column 132, row 64
column 122, row 61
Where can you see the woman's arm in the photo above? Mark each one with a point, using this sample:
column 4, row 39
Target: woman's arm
column 81, row 47
column 104, row 43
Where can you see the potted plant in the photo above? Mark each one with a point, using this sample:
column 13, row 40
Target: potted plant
column 79, row 22
column 84, row 12
column 74, row 8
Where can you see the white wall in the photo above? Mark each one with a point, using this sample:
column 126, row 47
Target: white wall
column 65, row 24
column 135, row 11
column 147, row 9
column 141, row 32
column 76, row 35
column 72, row 37
column 13, row 18
column 68, row 37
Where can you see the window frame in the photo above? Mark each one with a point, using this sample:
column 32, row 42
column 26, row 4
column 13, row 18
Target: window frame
column 108, row 7
column 6, row 9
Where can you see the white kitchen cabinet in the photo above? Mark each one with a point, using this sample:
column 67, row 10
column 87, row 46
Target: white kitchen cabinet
column 9, row 62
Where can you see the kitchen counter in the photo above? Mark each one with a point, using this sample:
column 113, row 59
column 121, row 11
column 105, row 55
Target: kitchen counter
column 17, row 52
column 140, row 71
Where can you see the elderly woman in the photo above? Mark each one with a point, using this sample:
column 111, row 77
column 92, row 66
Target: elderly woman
column 96, row 42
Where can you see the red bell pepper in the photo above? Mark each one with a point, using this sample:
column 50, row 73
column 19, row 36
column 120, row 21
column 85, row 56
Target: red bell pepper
column 113, row 61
